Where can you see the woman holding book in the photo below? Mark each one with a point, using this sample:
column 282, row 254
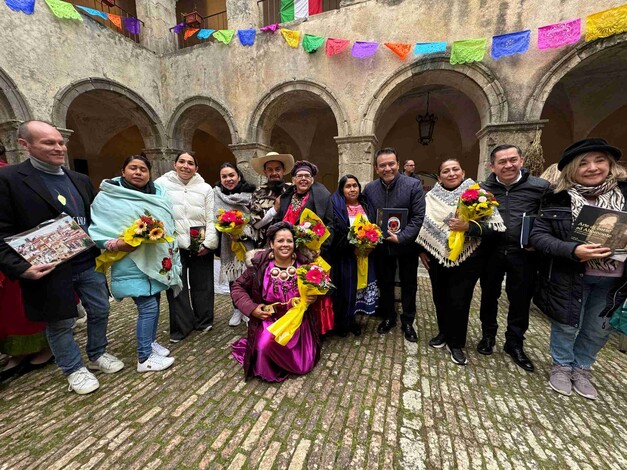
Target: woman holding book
column 580, row 285
column 192, row 201
column 233, row 193
column 264, row 293
column 453, row 281
column 133, row 200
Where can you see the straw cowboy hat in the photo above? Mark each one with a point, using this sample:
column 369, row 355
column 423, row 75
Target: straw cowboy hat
column 285, row 158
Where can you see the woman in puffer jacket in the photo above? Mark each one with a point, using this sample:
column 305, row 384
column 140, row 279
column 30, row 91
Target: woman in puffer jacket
column 192, row 200
column 579, row 285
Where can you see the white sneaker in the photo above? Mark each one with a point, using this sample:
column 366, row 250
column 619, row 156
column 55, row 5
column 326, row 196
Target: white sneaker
column 160, row 350
column 82, row 381
column 208, row 328
column 106, row 363
column 155, row 363
column 236, row 318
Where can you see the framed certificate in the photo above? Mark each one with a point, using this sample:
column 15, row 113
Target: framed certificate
column 392, row 220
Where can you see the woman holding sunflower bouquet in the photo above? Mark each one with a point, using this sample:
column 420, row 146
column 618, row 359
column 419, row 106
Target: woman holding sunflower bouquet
column 132, row 219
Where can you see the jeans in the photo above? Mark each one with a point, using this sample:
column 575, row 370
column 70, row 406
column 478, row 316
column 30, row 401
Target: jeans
column 147, row 320
column 91, row 288
column 578, row 347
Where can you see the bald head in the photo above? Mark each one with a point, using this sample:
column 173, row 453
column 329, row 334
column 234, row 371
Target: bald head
column 42, row 141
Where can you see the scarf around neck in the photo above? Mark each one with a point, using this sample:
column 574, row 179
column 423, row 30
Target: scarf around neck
column 441, row 205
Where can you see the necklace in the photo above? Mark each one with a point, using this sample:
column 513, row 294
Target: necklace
column 283, row 279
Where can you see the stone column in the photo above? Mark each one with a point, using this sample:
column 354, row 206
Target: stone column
column 520, row 133
column 161, row 159
column 244, row 153
column 66, row 134
column 158, row 17
column 8, row 135
column 356, row 156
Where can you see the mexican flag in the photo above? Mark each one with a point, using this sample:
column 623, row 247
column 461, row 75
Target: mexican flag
column 295, row 9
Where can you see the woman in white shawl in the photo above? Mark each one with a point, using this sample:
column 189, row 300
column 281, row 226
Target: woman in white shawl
column 232, row 192
column 452, row 282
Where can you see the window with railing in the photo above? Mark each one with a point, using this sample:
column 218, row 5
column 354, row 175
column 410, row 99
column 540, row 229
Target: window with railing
column 272, row 9
column 211, row 14
column 122, row 8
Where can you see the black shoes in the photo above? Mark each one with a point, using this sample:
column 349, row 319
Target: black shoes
column 410, row 333
column 457, row 356
column 438, row 342
column 356, row 329
column 486, row 346
column 519, row 357
column 385, row 326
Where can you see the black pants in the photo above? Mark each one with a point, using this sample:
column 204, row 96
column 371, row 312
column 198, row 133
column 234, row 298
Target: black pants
column 452, row 294
column 385, row 267
column 197, row 315
column 521, row 269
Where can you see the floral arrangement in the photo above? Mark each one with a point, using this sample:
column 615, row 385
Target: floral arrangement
column 313, row 279
column 196, row 237
column 232, row 223
column 474, row 204
column 311, row 233
column 365, row 236
column 145, row 229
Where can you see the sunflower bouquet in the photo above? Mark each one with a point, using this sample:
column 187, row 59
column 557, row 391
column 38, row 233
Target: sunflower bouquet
column 313, row 279
column 310, row 234
column 365, row 236
column 145, row 229
column 474, row 204
column 233, row 223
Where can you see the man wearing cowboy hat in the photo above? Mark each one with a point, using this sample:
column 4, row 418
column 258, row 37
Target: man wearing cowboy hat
column 273, row 166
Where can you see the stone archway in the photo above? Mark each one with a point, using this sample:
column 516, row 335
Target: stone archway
column 13, row 110
column 109, row 122
column 302, row 118
column 207, row 128
column 582, row 96
column 464, row 98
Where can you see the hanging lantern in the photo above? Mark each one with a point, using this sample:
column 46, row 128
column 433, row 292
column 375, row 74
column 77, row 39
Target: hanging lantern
column 192, row 19
column 426, row 123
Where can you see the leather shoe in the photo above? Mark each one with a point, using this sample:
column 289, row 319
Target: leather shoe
column 486, row 346
column 356, row 329
column 519, row 356
column 385, row 326
column 410, row 333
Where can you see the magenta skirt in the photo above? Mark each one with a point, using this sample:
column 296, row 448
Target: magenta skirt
column 273, row 362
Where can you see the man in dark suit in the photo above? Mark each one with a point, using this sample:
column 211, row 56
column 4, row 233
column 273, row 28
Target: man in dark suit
column 35, row 191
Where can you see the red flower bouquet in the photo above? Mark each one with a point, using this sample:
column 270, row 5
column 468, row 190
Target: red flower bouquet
column 233, row 222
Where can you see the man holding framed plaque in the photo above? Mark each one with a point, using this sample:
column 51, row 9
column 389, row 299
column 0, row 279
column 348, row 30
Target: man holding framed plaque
column 400, row 202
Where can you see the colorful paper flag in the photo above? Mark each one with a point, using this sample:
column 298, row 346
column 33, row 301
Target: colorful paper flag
column 178, row 29
column 292, row 37
column 63, row 10
column 297, row 9
column 335, row 46
column 189, row 33
column 468, row 50
column 559, row 34
column 312, row 43
column 132, row 25
column 92, row 12
column 271, row 28
column 205, row 33
column 224, row 35
column 510, row 44
column 362, row 49
column 247, row 36
column 401, row 50
column 429, row 47
column 115, row 19
column 606, row 23
column 26, row 6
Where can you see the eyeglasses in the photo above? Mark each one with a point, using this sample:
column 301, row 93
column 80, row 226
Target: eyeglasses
column 302, row 177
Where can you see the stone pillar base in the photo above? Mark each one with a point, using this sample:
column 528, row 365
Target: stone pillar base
column 520, row 133
column 244, row 153
column 161, row 159
column 356, row 156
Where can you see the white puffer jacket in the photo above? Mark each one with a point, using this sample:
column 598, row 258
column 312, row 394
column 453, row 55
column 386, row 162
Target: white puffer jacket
column 193, row 207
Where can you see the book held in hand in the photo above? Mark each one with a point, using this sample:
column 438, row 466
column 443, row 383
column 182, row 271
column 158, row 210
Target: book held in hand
column 607, row 227
column 51, row 242
column 527, row 225
column 392, row 220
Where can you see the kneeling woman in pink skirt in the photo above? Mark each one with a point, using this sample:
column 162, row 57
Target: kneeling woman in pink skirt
column 272, row 279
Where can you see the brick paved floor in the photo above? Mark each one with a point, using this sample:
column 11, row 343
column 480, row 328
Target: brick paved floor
column 372, row 402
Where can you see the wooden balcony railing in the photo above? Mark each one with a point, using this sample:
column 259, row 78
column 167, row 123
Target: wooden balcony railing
column 123, row 8
column 272, row 9
column 215, row 21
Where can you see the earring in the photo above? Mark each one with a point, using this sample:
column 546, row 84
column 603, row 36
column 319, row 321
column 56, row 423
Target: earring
column 271, row 255
column 293, row 256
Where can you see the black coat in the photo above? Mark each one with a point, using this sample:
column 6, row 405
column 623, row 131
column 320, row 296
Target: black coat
column 560, row 280
column 520, row 198
column 25, row 203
